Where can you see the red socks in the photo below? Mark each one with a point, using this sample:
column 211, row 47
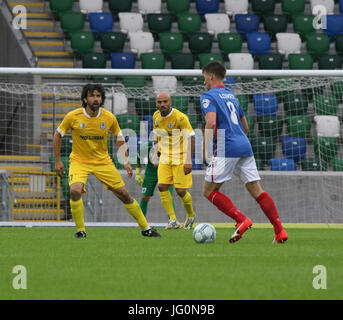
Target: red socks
column 267, row 205
column 224, row 204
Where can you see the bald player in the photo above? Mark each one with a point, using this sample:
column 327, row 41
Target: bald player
column 175, row 141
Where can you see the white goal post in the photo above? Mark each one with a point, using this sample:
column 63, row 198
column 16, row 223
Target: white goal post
column 294, row 118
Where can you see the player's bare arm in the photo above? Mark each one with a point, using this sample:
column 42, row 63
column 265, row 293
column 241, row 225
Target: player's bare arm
column 123, row 148
column 211, row 122
column 59, row 167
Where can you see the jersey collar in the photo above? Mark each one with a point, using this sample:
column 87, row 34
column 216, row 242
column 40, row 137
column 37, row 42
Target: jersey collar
column 88, row 116
column 169, row 114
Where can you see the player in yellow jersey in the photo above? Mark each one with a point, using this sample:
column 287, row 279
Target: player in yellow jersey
column 175, row 138
column 90, row 126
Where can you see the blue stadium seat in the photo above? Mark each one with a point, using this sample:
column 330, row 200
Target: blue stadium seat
column 207, row 6
column 293, row 148
column 122, row 60
column 258, row 42
column 282, row 164
column 246, row 23
column 265, row 104
column 148, row 118
column 100, row 22
column 334, row 25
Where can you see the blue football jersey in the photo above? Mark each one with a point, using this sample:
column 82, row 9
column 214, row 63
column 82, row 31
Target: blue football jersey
column 229, row 141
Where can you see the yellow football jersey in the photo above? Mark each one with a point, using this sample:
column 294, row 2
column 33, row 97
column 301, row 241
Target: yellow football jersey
column 173, row 131
column 89, row 134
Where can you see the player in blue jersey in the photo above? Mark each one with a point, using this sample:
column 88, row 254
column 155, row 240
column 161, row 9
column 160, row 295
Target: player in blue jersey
column 226, row 128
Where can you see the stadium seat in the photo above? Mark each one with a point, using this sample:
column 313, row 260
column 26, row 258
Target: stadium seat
column 116, row 6
column 66, row 145
column 217, row 23
column 251, row 126
column 325, row 105
column 141, row 42
column 317, row 44
column 339, row 44
column 112, row 41
column 312, row 164
column 200, row 42
column 293, row 148
column 325, row 148
column 171, row 42
column 243, row 102
column 337, row 164
column 229, row 43
column 270, row 125
column 60, row 6
column 275, row 23
column 149, row 120
column 178, row 6
column 258, row 42
column 159, row 22
column 94, row 60
column 117, row 103
column 328, row 62
column 207, row 6
column 337, row 89
column 263, row 7
column 270, row 61
column 303, row 25
column 233, row 7
column 334, row 25
column 328, row 4
column 288, row 43
column 300, row 61
column 134, row 81
column 246, row 23
column 122, row 60
column 87, row 6
column 164, row 83
column 153, row 61
column 265, row 104
column 282, row 164
column 129, row 121
column 327, row 126
column 182, row 61
column 72, row 21
column 149, row 6
column 145, row 106
column 263, row 148
column 243, row 61
column 82, row 42
column 188, row 23
column 181, row 103
column 295, row 104
column 130, row 22
column 206, row 58
column 193, row 121
column 299, row 126
column 292, row 7
column 100, row 22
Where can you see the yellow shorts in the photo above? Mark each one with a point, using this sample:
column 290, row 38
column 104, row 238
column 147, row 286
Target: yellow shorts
column 106, row 173
column 174, row 174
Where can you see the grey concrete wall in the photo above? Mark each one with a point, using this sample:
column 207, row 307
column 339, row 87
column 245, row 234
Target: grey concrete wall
column 301, row 197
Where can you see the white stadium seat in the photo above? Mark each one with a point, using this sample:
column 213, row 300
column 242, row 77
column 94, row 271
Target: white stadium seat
column 141, row 42
column 329, row 5
column 288, row 43
column 244, row 61
column 149, row 6
column 233, row 7
column 164, row 83
column 130, row 22
column 120, row 103
column 87, row 6
column 327, row 126
column 217, row 23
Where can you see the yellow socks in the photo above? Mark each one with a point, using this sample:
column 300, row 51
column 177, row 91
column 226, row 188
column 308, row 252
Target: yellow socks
column 77, row 211
column 167, row 203
column 135, row 210
column 188, row 204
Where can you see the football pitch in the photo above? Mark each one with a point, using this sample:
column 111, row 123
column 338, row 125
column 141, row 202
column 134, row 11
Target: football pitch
column 120, row 264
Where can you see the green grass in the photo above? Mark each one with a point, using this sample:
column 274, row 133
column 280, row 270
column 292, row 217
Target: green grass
column 118, row 263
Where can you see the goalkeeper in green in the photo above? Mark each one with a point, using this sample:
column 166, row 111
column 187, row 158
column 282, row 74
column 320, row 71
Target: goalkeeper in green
column 149, row 181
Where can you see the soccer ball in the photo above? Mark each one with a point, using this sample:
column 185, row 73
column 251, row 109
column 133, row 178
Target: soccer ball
column 204, row 233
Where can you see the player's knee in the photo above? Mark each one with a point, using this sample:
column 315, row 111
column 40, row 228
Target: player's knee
column 75, row 194
column 181, row 192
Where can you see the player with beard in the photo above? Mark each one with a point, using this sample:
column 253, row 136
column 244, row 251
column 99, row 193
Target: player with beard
column 90, row 126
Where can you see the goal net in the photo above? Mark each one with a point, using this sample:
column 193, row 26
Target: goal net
column 294, row 128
